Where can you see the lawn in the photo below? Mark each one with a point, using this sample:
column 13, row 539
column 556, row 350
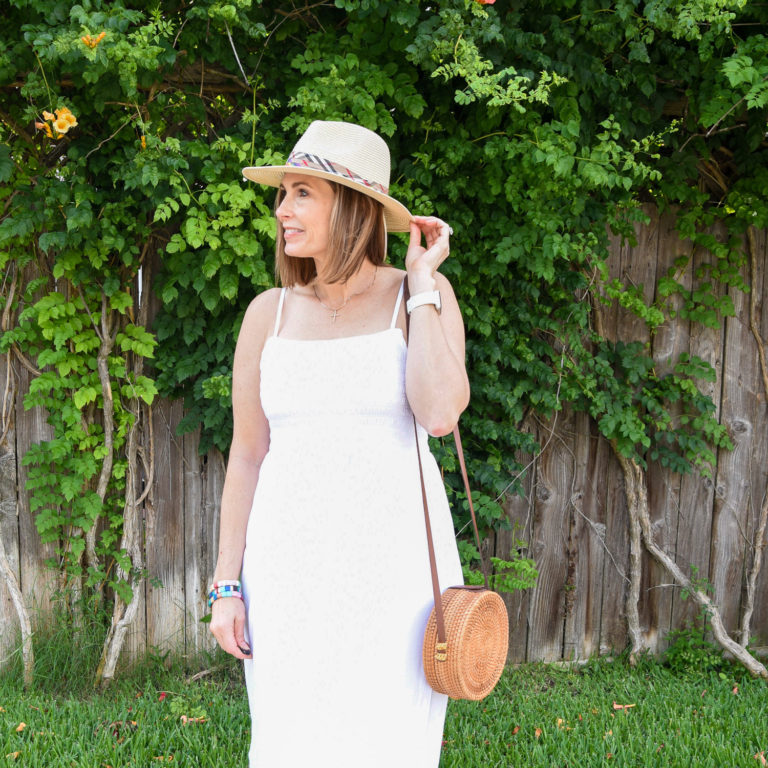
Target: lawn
column 600, row 714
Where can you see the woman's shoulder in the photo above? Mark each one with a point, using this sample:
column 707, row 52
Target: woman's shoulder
column 260, row 315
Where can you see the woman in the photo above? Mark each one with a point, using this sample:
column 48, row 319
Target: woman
column 322, row 510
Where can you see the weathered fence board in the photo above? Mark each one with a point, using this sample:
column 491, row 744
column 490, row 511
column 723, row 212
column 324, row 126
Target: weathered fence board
column 166, row 605
column 519, row 508
column 697, row 492
column 584, row 550
column 639, row 269
column 613, row 627
column 38, row 583
column 550, row 530
column 668, row 343
column 739, row 411
column 759, row 484
column 9, row 528
column 572, row 514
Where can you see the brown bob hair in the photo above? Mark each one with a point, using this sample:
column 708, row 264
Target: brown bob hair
column 357, row 231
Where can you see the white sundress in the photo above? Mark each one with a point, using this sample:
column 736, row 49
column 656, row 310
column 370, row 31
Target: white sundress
column 336, row 572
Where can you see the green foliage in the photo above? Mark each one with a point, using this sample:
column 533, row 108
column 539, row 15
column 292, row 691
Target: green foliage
column 66, row 650
column 517, row 573
column 536, row 130
column 690, row 651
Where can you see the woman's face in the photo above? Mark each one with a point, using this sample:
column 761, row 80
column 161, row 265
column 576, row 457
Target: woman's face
column 305, row 215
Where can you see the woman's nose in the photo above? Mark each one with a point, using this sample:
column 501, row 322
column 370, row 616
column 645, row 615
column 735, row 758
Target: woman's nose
column 282, row 210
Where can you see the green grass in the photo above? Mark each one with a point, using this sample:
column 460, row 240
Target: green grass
column 565, row 718
column 538, row 716
column 139, row 721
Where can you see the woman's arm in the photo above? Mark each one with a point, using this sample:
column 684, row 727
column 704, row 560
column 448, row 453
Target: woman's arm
column 250, row 442
column 436, row 377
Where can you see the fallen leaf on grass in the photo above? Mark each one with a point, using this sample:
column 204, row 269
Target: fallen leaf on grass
column 187, row 720
column 13, row 755
column 761, row 757
column 164, row 758
column 538, row 732
column 515, row 729
column 735, row 690
column 625, row 707
column 21, row 727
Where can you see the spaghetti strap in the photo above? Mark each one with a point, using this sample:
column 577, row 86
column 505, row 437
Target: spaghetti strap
column 393, row 324
column 279, row 312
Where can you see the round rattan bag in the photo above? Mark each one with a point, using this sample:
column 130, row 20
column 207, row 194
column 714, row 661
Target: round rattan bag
column 477, row 636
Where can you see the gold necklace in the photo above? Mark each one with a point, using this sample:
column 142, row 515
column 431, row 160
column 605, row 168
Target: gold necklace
column 335, row 311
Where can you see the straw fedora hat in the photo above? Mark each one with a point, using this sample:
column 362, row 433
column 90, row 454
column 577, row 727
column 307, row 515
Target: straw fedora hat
column 347, row 154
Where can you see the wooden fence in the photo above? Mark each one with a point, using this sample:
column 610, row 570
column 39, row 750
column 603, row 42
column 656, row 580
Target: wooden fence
column 573, row 515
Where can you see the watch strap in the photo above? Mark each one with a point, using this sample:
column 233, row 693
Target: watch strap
column 426, row 297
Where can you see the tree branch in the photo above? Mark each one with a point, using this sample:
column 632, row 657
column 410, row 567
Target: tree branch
column 108, row 409
column 637, row 500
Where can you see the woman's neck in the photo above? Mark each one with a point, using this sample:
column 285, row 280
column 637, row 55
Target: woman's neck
column 338, row 294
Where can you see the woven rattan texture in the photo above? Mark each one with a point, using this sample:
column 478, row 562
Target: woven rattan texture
column 478, row 636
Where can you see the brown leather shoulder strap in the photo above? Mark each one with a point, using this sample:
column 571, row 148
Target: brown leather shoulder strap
column 439, row 613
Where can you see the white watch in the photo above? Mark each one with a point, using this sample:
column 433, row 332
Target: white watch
column 428, row 297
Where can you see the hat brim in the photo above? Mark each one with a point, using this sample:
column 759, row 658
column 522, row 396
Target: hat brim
column 396, row 216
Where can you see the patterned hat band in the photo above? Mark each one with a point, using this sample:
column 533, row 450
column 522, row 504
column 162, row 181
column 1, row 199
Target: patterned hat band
column 305, row 160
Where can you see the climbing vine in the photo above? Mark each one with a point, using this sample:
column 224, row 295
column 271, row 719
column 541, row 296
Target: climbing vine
column 535, row 129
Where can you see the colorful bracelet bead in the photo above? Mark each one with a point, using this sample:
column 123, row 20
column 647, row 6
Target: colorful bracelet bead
column 226, row 583
column 227, row 591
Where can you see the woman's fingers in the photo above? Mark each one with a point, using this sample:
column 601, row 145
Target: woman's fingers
column 240, row 640
column 228, row 626
column 436, row 235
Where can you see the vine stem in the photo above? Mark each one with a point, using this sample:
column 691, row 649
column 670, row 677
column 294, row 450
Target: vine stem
column 722, row 117
column 637, row 501
column 107, row 336
column 237, row 58
column 758, row 543
column 632, row 602
column 641, row 535
column 124, row 613
column 12, row 583
column 8, row 574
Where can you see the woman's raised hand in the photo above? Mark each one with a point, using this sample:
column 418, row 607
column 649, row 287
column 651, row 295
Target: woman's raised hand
column 228, row 626
column 436, row 233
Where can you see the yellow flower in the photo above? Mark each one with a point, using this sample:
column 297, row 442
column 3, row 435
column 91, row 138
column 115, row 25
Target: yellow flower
column 92, row 42
column 48, row 116
column 61, row 125
column 65, row 114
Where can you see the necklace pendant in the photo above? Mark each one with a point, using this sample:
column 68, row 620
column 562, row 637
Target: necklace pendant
column 333, row 316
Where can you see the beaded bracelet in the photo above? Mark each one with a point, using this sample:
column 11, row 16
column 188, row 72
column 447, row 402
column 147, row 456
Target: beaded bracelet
column 225, row 583
column 227, row 588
